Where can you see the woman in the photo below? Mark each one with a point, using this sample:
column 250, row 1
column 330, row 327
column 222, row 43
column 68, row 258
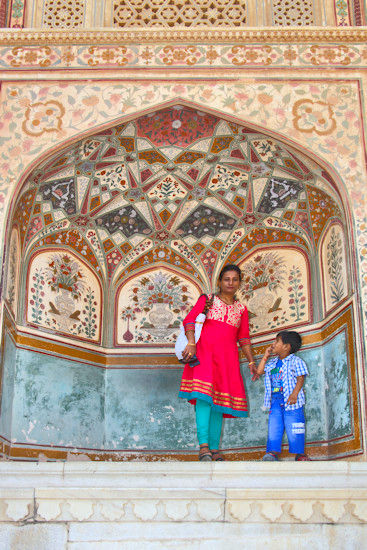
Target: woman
column 215, row 385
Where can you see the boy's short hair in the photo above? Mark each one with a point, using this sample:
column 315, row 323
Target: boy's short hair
column 292, row 338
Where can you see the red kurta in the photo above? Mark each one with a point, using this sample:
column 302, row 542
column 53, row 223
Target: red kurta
column 217, row 379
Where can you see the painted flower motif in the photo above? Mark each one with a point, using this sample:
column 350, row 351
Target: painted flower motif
column 245, row 55
column 64, row 273
column 160, row 288
column 313, row 116
column 212, row 54
column 264, row 270
column 91, row 101
column 43, row 117
column 265, row 99
column 187, row 55
column 68, row 56
column 290, row 54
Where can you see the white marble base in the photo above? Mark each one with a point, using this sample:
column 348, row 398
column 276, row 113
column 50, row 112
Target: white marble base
column 108, row 506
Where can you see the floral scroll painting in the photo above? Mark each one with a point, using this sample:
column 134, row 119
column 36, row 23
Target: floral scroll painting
column 275, row 289
column 151, row 307
column 333, row 262
column 13, row 272
column 64, row 296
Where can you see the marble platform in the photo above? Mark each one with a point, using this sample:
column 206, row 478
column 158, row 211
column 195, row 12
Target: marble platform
column 201, row 506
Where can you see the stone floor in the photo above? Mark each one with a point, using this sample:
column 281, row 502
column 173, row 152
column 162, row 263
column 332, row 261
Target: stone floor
column 136, row 506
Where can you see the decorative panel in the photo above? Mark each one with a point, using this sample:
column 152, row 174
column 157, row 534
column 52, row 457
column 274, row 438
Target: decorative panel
column 175, row 187
column 151, row 306
column 63, row 13
column 3, row 13
column 276, row 289
column 293, row 13
column 12, row 279
column 14, row 12
column 63, row 295
column 334, row 267
column 179, row 13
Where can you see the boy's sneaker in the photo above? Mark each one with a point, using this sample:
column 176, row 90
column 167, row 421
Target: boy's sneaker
column 301, row 458
column 270, row 457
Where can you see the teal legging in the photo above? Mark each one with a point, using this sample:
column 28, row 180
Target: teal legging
column 208, row 424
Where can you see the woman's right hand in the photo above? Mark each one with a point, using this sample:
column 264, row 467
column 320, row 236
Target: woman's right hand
column 189, row 352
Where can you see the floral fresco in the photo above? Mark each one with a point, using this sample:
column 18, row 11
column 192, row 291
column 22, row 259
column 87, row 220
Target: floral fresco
column 334, row 267
column 63, row 296
column 151, row 307
column 178, row 186
column 276, row 289
column 12, row 285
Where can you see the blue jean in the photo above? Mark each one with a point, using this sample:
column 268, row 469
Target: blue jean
column 292, row 421
column 208, row 424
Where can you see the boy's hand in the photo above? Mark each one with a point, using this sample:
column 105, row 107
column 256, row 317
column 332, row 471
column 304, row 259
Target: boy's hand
column 292, row 399
column 268, row 352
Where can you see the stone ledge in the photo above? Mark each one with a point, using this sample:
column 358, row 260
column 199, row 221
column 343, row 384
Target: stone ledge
column 181, row 35
column 236, row 474
column 267, row 493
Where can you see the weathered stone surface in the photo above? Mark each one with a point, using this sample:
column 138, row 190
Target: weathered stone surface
column 16, row 504
column 197, row 536
column 33, row 537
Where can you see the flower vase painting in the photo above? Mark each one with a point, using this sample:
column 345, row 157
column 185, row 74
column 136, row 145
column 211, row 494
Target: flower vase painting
column 152, row 306
column 63, row 276
column 275, row 289
column 64, row 296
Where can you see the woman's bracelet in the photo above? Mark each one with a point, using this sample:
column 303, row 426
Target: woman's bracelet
column 191, row 344
column 251, row 363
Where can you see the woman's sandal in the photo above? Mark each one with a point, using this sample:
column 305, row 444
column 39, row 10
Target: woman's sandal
column 217, row 456
column 204, row 454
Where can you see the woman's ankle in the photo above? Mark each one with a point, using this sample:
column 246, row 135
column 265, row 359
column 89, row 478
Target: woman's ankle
column 216, row 455
column 204, row 453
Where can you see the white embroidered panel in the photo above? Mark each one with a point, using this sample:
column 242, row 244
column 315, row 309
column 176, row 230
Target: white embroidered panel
column 227, row 314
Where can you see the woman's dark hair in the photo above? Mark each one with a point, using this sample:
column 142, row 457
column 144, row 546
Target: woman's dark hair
column 292, row 338
column 230, row 267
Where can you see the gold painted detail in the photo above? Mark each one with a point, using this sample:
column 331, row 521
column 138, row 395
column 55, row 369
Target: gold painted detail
column 201, row 35
column 63, row 14
column 184, row 13
column 182, row 55
column 105, row 360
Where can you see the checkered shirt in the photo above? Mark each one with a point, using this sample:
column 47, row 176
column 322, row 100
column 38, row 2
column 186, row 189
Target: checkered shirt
column 292, row 366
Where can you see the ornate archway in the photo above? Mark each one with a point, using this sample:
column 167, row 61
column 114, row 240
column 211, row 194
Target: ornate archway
column 146, row 213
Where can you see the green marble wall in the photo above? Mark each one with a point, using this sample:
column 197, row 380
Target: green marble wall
column 57, row 402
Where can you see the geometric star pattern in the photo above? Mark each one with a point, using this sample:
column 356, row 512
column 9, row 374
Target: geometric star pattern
column 178, row 178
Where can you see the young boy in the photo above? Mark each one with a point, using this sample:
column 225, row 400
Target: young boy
column 284, row 377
